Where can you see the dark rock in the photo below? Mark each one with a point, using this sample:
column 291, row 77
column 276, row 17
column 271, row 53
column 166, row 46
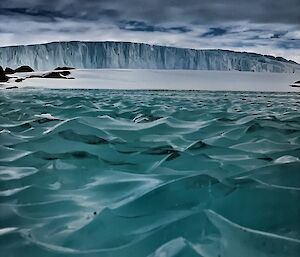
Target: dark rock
column 3, row 77
column 24, row 69
column 50, row 75
column 54, row 75
column 57, row 75
column 19, row 80
column 295, row 85
column 9, row 70
column 65, row 73
column 12, row 87
column 34, row 76
column 64, row 68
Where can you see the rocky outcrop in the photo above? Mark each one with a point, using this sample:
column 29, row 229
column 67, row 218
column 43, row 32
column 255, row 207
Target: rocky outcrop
column 296, row 84
column 3, row 77
column 49, row 75
column 57, row 75
column 9, row 70
column 64, row 68
column 24, row 68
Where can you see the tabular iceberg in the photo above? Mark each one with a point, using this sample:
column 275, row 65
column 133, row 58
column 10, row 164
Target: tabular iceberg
column 128, row 55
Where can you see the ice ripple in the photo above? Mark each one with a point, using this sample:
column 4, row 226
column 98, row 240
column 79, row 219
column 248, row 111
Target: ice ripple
column 149, row 173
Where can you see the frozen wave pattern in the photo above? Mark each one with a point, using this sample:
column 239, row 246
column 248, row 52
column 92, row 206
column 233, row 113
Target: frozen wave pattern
column 149, row 173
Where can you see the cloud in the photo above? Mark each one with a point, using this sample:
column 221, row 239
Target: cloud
column 214, row 32
column 289, row 44
column 134, row 25
column 34, row 14
column 263, row 26
column 258, row 11
column 206, row 11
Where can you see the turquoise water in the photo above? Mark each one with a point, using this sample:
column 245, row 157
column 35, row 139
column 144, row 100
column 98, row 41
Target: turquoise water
column 149, row 173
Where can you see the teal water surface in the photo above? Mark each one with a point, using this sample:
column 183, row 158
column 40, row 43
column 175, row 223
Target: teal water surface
column 149, row 173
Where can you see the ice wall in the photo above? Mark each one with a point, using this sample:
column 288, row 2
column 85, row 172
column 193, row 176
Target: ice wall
column 137, row 56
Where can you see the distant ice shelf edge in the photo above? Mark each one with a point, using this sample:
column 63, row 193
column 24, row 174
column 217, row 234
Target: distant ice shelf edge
column 126, row 55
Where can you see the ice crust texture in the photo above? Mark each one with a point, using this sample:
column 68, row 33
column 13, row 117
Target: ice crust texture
column 149, row 173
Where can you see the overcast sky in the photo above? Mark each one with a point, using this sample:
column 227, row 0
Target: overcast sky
column 262, row 26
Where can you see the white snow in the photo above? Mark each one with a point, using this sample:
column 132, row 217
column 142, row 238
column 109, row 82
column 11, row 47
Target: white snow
column 167, row 79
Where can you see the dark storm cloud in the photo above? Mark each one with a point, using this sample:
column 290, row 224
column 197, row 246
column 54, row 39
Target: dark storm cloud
column 144, row 26
column 263, row 26
column 140, row 26
column 214, row 32
column 258, row 11
column 42, row 15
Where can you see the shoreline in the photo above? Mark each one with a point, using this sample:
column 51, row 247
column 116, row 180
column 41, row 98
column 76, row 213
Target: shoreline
column 146, row 79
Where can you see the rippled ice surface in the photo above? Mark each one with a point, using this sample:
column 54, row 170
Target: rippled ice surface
column 149, row 173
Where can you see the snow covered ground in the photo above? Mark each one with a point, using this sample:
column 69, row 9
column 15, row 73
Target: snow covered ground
column 165, row 79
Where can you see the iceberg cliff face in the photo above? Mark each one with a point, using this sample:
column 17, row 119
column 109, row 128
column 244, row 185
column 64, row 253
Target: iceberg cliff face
column 95, row 55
